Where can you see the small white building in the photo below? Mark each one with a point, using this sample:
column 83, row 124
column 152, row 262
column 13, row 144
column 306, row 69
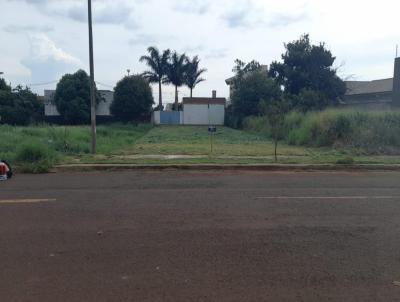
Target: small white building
column 196, row 111
column 102, row 108
column 204, row 111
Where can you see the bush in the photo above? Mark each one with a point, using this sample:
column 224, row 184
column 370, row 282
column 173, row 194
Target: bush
column 250, row 92
column 373, row 132
column 133, row 99
column 35, row 158
column 72, row 98
column 19, row 106
column 345, row 161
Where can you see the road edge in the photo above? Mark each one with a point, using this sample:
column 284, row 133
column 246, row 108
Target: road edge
column 227, row 167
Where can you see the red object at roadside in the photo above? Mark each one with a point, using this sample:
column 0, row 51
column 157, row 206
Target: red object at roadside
column 3, row 169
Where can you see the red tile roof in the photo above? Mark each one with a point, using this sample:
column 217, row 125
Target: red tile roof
column 204, row 101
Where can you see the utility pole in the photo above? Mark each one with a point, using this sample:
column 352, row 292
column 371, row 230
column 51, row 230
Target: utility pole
column 92, row 87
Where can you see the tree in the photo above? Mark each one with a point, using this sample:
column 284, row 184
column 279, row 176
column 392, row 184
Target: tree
column 251, row 91
column 241, row 68
column 193, row 73
column 307, row 67
column 4, row 86
column 158, row 64
column 72, row 98
column 275, row 110
column 133, row 99
column 19, row 106
column 176, row 73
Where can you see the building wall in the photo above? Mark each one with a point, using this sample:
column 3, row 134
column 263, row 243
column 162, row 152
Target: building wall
column 49, row 108
column 396, row 83
column 213, row 114
column 102, row 109
column 373, row 101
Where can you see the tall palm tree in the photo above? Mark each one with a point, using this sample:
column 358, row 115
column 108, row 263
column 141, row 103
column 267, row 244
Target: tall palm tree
column 193, row 73
column 176, row 73
column 158, row 64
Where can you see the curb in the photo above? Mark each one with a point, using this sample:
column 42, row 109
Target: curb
column 211, row 167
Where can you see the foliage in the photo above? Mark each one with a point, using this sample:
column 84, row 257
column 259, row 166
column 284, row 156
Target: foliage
column 251, row 91
column 307, row 70
column 158, row 64
column 4, row 86
column 363, row 131
column 176, row 72
column 275, row 111
column 133, row 99
column 72, row 98
column 19, row 106
column 193, row 73
column 35, row 158
column 69, row 140
column 241, row 68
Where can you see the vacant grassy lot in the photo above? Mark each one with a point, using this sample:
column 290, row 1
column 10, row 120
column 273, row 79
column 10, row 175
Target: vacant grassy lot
column 71, row 140
column 145, row 144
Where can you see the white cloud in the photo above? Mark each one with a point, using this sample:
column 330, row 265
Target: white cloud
column 363, row 34
column 43, row 49
column 46, row 61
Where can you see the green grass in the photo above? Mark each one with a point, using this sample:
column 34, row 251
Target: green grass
column 195, row 140
column 70, row 140
column 128, row 144
column 365, row 132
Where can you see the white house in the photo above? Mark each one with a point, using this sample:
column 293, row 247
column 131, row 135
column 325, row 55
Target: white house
column 102, row 108
column 204, row 111
column 196, row 111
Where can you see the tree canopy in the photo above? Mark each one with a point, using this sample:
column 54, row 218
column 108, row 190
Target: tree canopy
column 176, row 73
column 253, row 89
column 19, row 106
column 193, row 73
column 306, row 67
column 72, row 98
column 158, row 64
column 133, row 99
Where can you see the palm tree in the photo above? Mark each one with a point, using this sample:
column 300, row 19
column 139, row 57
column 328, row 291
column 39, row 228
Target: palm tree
column 176, row 73
column 193, row 73
column 158, row 63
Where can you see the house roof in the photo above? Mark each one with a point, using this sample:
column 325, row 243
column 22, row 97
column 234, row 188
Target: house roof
column 204, row 101
column 368, row 87
column 264, row 68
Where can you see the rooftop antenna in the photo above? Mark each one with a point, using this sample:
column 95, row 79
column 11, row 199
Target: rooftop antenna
column 397, row 50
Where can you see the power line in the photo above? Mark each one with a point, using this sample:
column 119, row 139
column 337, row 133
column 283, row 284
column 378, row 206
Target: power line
column 43, row 84
column 106, row 85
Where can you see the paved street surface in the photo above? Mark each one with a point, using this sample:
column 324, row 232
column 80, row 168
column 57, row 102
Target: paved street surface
column 200, row 236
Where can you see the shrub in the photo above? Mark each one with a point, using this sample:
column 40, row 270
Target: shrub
column 35, row 158
column 373, row 132
column 133, row 99
column 19, row 106
column 345, row 161
column 72, row 98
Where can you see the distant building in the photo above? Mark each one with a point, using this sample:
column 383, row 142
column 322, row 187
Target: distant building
column 102, row 109
column 377, row 94
column 196, row 111
column 204, row 111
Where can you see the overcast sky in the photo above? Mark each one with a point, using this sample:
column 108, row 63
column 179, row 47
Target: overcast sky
column 43, row 39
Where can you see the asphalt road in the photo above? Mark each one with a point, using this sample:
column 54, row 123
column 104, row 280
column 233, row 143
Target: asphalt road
column 200, row 236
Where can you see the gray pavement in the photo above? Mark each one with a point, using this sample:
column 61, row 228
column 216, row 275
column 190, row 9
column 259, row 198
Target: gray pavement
column 200, row 236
